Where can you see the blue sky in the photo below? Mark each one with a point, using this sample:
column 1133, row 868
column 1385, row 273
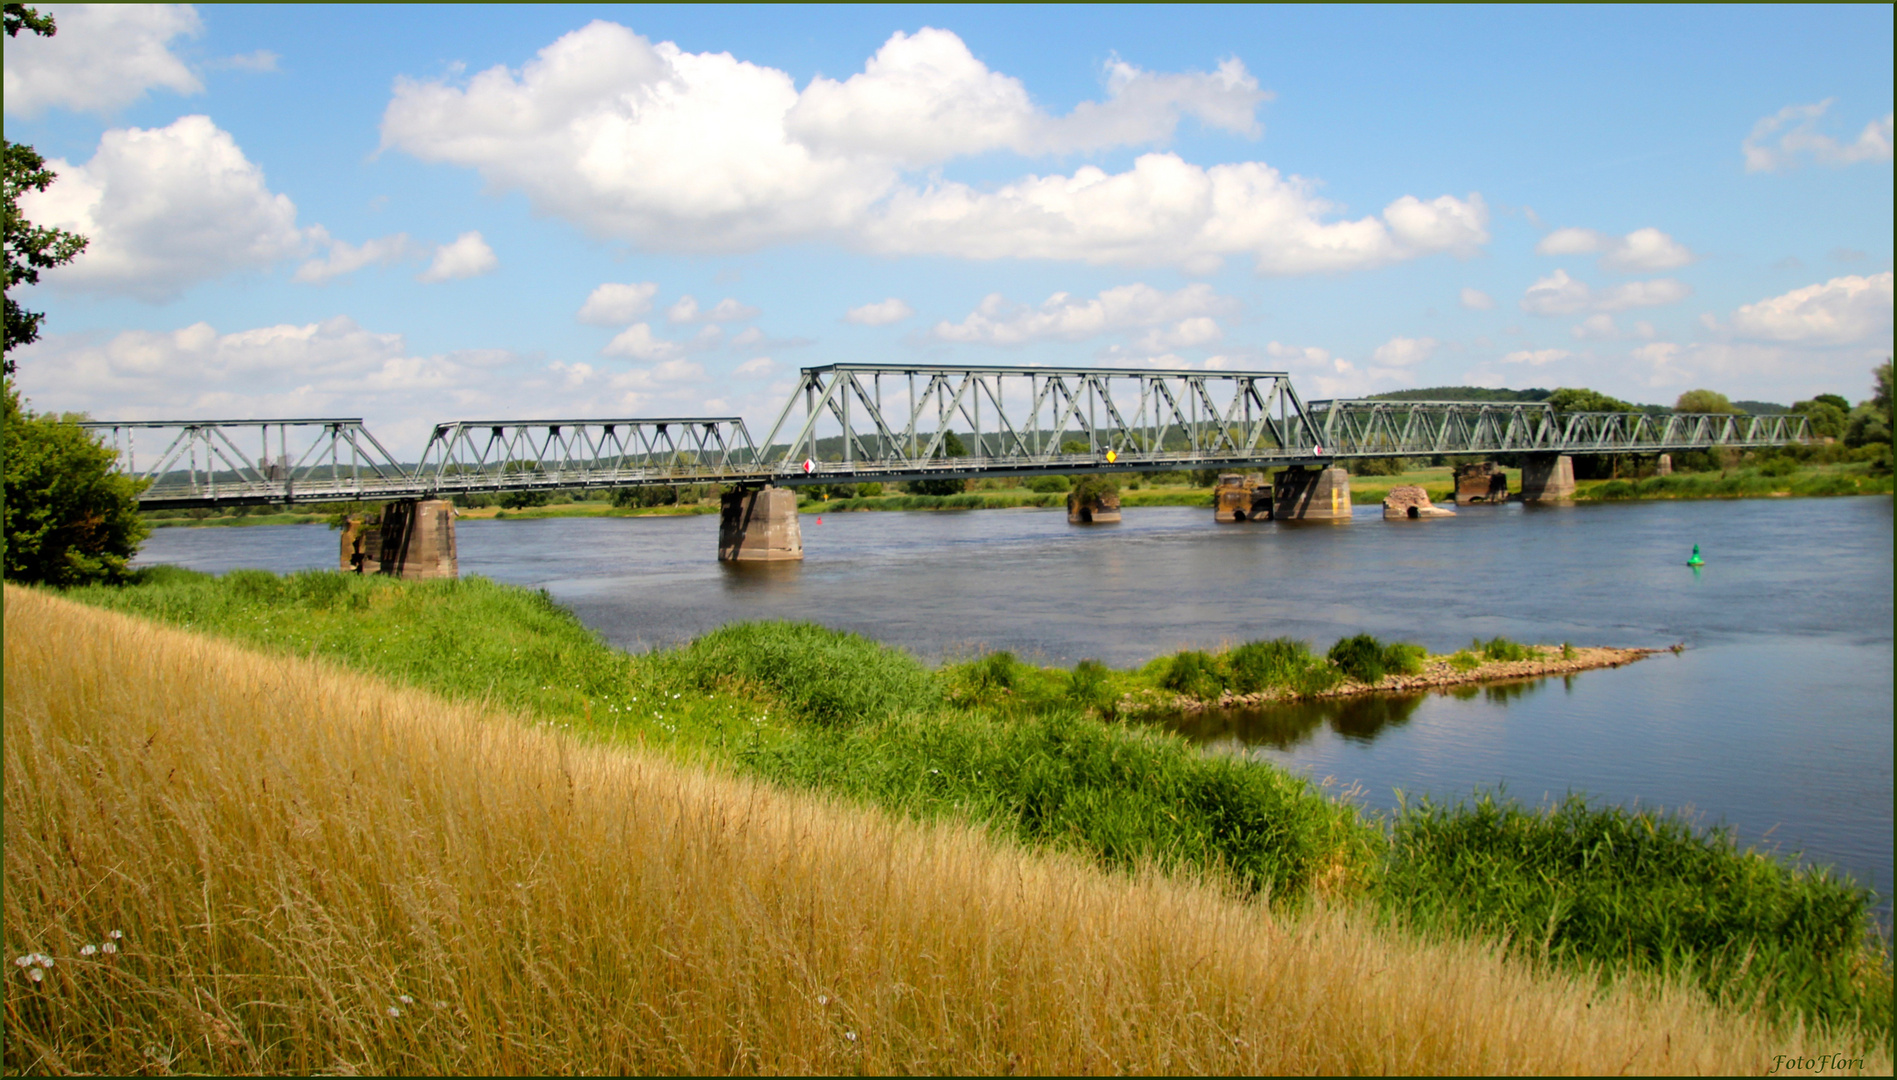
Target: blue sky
column 417, row 214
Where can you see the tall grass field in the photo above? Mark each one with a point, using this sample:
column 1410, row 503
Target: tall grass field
column 301, row 868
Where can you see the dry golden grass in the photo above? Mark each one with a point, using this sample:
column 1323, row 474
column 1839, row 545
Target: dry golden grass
column 294, row 853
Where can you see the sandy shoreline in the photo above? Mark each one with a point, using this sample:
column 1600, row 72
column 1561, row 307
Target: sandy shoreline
column 1437, row 673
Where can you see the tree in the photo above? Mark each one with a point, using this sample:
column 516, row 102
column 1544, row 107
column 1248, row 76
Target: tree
column 1580, row 399
column 69, row 518
column 1823, row 418
column 20, row 17
column 1704, row 401
column 951, row 447
column 29, row 247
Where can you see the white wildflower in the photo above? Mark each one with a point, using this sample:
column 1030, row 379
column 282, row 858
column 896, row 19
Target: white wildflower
column 109, row 947
column 22, row 961
column 394, row 1012
column 823, row 999
column 44, row 960
column 406, row 1000
column 115, row 935
column 850, row 1035
column 88, row 950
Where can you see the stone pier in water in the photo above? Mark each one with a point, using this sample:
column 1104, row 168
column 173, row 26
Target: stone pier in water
column 1102, row 508
column 759, row 525
column 414, row 540
column 1303, row 494
column 1547, row 478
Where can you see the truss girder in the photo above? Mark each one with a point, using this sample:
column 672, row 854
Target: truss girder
column 1020, row 421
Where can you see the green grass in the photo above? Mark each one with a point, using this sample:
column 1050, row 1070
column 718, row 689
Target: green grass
column 1742, row 483
column 1034, row 753
column 1611, row 887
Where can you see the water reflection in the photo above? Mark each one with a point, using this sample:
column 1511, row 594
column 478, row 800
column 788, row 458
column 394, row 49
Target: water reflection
column 1284, row 726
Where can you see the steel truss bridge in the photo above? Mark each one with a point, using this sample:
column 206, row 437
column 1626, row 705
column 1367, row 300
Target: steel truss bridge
column 890, row 422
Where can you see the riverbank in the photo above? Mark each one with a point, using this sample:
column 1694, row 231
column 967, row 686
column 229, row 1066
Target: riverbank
column 1437, row 673
column 1030, row 754
column 395, row 877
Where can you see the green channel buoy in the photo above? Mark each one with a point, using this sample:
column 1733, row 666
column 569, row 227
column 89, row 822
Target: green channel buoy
column 1696, row 560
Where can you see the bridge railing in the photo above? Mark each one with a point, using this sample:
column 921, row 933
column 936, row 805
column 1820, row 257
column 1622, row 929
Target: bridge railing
column 514, row 455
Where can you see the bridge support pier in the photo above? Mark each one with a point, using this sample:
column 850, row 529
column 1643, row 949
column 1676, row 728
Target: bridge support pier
column 1099, row 508
column 414, row 540
column 1242, row 498
column 1312, row 495
column 1547, row 478
column 759, row 525
column 1482, row 484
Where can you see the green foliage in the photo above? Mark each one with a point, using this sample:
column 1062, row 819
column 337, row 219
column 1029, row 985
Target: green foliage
column 869, row 490
column 1824, row 418
column 1089, row 488
column 1501, row 648
column 1741, row 484
column 1403, row 658
column 1581, row 399
column 1381, row 466
column 1465, row 661
column 1704, row 401
column 827, row 677
column 1090, row 687
column 1867, row 424
column 1361, row 657
column 1636, row 889
column 20, row 17
column 522, row 500
column 1049, row 484
column 69, row 518
column 1268, row 665
column 1195, row 674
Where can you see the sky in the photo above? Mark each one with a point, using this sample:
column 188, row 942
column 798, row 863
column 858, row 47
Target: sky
column 417, row 214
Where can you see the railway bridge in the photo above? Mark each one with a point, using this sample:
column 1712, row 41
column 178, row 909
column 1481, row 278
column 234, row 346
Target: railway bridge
column 855, row 423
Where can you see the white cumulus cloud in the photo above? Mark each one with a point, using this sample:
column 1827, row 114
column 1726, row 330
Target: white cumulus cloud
column 686, row 310
column 1536, row 357
column 1477, row 300
column 1403, row 352
column 1844, row 310
column 924, row 99
column 345, row 258
column 1641, row 251
column 1790, row 136
column 1065, row 317
column 704, row 152
column 884, row 313
column 640, row 343
column 165, row 208
column 614, row 303
column 1559, row 294
column 468, row 256
column 103, row 57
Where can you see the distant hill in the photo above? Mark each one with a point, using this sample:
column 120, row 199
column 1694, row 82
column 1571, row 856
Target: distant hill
column 1463, row 393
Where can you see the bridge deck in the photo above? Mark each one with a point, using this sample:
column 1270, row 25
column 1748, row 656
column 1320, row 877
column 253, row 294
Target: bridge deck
column 1020, row 421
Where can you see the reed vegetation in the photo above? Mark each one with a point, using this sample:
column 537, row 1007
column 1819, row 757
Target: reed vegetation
column 1041, row 757
column 305, row 869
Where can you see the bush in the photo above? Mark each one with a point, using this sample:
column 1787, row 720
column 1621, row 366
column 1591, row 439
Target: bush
column 1360, row 657
column 69, row 519
column 869, row 490
column 1196, row 675
column 1403, row 658
column 1464, row 661
column 829, row 677
column 1264, row 665
column 521, row 500
column 1501, row 648
column 1380, row 466
column 1048, row 485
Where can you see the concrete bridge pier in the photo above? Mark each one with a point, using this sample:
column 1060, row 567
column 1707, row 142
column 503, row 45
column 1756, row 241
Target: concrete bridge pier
column 1312, row 494
column 414, row 540
column 1242, row 497
column 759, row 525
column 1547, row 478
column 1098, row 508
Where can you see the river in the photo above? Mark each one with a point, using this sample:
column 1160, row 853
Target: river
column 1775, row 719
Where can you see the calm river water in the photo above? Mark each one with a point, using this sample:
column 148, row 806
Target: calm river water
column 1775, row 720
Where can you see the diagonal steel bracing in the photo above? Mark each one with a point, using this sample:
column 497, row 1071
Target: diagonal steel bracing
column 858, row 422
